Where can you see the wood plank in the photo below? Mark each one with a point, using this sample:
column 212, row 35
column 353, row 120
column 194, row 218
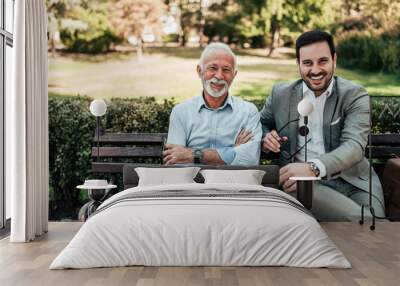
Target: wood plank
column 105, row 167
column 383, row 152
column 385, row 139
column 129, row 152
column 374, row 255
column 132, row 138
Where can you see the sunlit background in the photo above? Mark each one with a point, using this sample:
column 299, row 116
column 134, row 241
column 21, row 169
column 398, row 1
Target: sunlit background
column 142, row 48
column 141, row 56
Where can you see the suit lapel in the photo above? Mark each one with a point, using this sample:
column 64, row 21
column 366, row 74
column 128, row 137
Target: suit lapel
column 329, row 112
column 295, row 98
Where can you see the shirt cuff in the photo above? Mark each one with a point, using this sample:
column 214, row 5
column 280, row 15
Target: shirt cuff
column 321, row 167
column 227, row 154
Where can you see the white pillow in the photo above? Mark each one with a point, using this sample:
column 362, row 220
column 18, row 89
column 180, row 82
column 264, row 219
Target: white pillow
column 166, row 176
column 248, row 177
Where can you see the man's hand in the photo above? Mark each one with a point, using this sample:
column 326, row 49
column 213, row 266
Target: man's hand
column 243, row 137
column 177, row 154
column 293, row 170
column 272, row 141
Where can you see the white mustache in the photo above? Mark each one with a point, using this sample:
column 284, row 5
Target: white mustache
column 211, row 91
column 217, row 81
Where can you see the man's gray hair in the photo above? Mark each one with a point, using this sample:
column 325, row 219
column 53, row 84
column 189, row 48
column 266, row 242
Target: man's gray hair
column 213, row 47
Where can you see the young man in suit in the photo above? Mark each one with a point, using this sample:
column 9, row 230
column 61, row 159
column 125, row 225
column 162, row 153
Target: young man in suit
column 338, row 132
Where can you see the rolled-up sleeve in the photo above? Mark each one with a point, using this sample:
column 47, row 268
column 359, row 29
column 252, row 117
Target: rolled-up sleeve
column 176, row 130
column 249, row 153
column 227, row 154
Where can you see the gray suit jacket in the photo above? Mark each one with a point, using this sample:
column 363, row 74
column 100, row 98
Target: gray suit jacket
column 346, row 126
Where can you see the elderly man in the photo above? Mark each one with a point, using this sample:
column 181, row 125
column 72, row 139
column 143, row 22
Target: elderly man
column 214, row 128
column 338, row 132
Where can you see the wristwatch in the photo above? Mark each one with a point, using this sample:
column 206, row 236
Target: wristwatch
column 197, row 156
column 314, row 168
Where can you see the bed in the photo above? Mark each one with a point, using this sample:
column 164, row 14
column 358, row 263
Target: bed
column 201, row 224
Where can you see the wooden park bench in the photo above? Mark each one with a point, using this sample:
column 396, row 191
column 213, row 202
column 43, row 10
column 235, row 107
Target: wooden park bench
column 118, row 149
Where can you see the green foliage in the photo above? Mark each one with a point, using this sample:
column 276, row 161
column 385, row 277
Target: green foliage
column 88, row 30
column 369, row 51
column 391, row 50
column 223, row 29
column 189, row 18
column 87, row 43
column 386, row 114
column 170, row 38
column 356, row 48
column 267, row 18
column 71, row 129
column 138, row 115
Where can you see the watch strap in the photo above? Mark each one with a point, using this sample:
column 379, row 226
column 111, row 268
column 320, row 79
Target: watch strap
column 197, row 156
column 314, row 168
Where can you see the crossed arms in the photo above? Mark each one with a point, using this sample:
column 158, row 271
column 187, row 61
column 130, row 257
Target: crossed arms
column 244, row 151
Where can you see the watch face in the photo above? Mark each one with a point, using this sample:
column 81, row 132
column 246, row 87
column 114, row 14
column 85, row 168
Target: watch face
column 197, row 154
column 315, row 169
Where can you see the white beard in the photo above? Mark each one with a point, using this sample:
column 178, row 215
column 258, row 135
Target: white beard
column 211, row 91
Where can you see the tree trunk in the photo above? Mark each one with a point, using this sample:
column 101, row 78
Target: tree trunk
column 53, row 47
column 183, row 39
column 139, row 49
column 274, row 35
column 202, row 24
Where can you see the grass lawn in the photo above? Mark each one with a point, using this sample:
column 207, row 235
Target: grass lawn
column 171, row 72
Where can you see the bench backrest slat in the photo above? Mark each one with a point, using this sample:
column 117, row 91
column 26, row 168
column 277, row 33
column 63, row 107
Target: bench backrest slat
column 107, row 167
column 129, row 152
column 132, row 138
column 385, row 140
column 384, row 152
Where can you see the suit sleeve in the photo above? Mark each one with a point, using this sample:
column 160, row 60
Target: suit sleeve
column 353, row 138
column 267, row 115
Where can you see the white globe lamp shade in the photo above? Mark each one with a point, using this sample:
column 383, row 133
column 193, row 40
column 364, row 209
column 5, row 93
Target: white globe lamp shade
column 305, row 107
column 98, row 107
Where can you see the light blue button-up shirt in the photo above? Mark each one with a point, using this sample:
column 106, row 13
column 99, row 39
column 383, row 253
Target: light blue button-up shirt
column 193, row 124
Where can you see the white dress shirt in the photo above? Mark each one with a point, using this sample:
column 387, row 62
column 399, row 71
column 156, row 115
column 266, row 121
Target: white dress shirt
column 315, row 147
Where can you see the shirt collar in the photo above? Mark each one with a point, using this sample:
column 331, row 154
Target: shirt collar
column 327, row 92
column 202, row 104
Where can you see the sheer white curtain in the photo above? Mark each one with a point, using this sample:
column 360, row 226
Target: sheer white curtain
column 27, row 124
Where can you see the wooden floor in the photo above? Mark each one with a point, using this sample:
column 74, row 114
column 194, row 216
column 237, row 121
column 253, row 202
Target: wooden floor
column 375, row 256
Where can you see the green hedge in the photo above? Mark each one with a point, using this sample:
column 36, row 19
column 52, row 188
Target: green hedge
column 138, row 115
column 71, row 130
column 386, row 114
column 70, row 133
column 369, row 51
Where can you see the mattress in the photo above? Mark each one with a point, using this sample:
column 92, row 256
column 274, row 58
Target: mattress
column 201, row 225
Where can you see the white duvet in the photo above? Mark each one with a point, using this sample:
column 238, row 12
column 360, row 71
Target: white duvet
column 219, row 231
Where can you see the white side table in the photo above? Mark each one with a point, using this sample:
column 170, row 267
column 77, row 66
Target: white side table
column 305, row 190
column 97, row 193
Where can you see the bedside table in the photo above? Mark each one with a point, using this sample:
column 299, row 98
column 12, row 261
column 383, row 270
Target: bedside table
column 97, row 192
column 305, row 186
